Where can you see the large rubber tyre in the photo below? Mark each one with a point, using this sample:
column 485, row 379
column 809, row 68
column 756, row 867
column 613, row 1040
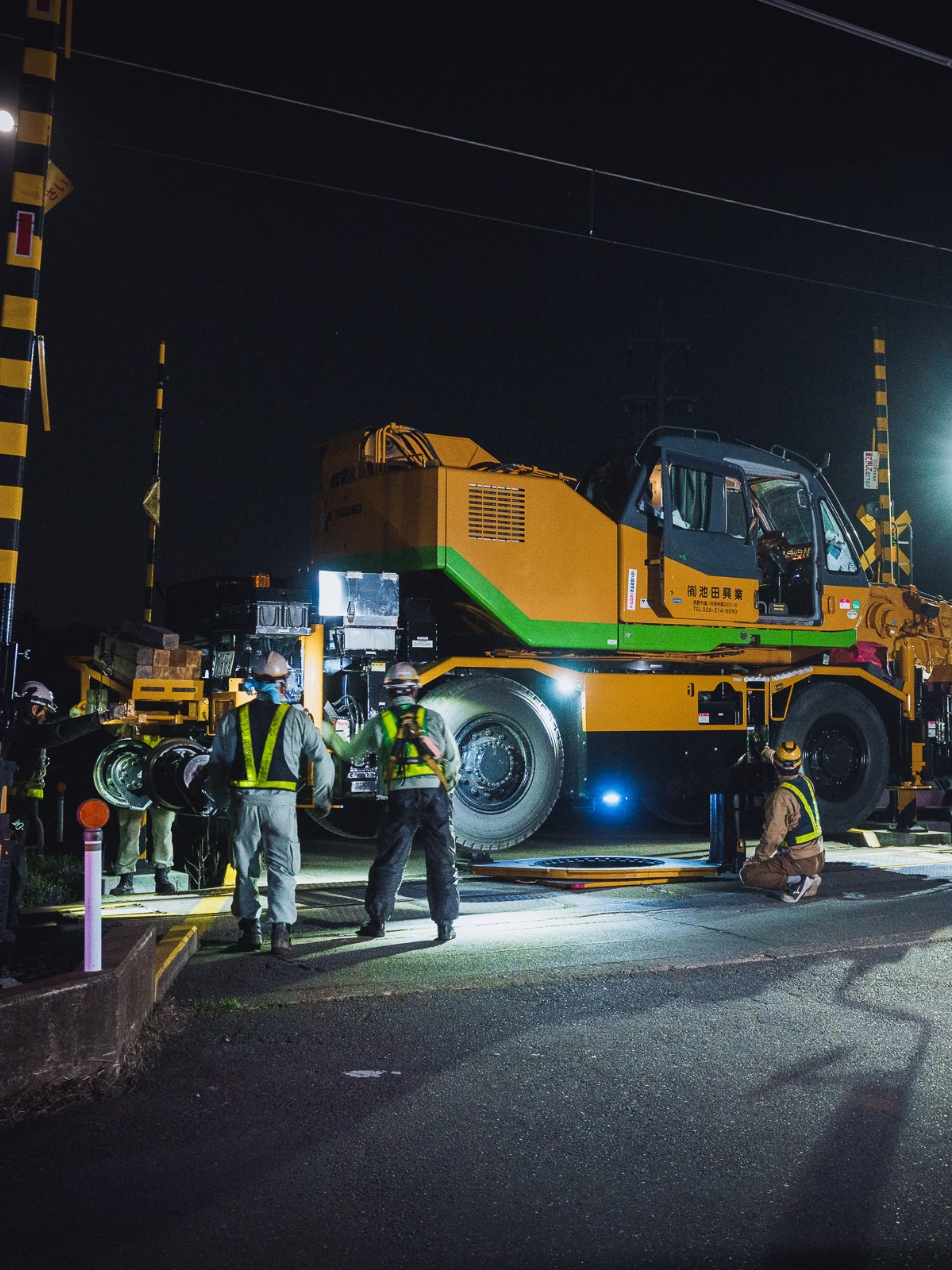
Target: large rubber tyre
column 845, row 751
column 512, row 759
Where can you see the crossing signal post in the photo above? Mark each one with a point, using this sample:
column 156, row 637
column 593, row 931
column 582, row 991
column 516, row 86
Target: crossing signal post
column 891, row 549
column 24, row 248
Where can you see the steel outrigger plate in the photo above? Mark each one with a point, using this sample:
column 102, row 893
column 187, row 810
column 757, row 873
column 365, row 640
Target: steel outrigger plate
column 578, row 873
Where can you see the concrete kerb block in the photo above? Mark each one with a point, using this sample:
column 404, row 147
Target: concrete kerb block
column 76, row 1024
column 172, row 954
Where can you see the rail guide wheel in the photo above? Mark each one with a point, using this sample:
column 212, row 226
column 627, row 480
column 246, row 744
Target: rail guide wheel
column 172, row 775
column 119, row 774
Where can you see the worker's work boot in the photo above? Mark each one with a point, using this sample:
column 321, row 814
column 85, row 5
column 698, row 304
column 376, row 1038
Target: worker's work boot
column 445, row 931
column 250, row 938
column 163, row 883
column 801, row 890
column 124, row 886
column 280, row 938
column 372, row 929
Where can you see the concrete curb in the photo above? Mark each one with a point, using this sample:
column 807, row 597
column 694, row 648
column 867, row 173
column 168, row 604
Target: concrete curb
column 76, row 1024
column 172, row 954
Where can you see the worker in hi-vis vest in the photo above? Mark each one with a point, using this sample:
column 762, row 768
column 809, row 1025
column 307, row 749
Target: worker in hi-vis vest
column 257, row 753
column 419, row 765
column 789, row 856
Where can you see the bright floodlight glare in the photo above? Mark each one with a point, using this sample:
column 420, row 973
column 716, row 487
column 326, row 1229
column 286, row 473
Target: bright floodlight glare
column 331, row 599
column 7, row 121
column 565, row 686
column 611, row 799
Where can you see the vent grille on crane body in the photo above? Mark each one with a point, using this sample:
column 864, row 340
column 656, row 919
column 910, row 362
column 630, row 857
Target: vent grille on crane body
column 497, row 513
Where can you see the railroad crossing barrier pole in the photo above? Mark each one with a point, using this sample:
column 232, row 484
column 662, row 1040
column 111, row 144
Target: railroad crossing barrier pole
column 92, row 815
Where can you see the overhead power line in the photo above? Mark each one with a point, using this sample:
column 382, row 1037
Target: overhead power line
column 585, row 236
column 528, row 155
column 850, row 28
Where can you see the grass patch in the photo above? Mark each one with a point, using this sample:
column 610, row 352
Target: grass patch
column 53, row 879
column 215, row 1005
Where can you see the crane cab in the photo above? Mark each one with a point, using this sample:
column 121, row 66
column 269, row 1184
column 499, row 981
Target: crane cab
column 736, row 535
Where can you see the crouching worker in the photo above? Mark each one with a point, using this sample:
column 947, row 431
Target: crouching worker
column 257, row 753
column 789, row 856
column 419, row 762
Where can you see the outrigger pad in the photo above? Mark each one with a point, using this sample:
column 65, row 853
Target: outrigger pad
column 579, row 872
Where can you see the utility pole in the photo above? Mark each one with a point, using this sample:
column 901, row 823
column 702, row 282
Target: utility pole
column 653, row 398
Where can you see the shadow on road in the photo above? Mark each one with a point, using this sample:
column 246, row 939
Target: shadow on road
column 835, row 1213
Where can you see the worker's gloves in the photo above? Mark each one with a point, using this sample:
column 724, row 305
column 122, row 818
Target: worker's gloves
column 122, row 710
column 322, row 809
column 327, row 731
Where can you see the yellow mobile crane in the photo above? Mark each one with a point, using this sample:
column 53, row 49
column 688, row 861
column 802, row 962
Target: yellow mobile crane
column 620, row 637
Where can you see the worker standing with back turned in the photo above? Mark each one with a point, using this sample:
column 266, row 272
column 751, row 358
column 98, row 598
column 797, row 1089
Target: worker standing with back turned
column 789, row 856
column 257, row 751
column 420, row 763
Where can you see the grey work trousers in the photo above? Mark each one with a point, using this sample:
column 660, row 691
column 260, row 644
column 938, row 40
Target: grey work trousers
column 130, row 827
column 264, row 823
column 426, row 809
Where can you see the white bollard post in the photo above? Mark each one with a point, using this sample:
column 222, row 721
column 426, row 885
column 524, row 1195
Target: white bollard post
column 92, row 922
column 92, row 815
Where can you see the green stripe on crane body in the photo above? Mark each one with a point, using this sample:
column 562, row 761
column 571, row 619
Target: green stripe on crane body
column 629, row 637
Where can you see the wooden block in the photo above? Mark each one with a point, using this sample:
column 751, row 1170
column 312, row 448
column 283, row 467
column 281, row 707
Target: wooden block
column 150, row 634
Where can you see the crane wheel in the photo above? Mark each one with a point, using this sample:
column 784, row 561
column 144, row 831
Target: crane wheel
column 512, row 759
column 845, row 750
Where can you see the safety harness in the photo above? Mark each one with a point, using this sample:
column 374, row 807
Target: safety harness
column 258, row 779
column 411, row 752
column 802, row 786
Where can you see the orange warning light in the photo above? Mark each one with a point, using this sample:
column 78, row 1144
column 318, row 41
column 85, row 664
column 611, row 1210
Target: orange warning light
column 92, row 814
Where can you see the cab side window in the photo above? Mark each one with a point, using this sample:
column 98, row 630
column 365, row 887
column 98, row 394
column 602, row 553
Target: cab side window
column 839, row 557
column 693, row 493
column 708, row 501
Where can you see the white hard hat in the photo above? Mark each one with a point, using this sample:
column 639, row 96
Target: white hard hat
column 37, row 694
column 401, row 677
column 270, row 666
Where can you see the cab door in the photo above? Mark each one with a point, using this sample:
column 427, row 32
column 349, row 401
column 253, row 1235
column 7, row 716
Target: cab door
column 709, row 564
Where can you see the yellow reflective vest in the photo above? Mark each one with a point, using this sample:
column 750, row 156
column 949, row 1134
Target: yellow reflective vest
column 807, row 827
column 257, row 777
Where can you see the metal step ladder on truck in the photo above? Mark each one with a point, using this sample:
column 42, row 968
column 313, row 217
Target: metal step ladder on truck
column 623, row 637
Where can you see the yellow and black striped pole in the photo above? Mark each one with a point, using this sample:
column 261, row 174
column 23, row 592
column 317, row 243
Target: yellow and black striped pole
column 886, row 561
column 22, row 283
column 152, row 499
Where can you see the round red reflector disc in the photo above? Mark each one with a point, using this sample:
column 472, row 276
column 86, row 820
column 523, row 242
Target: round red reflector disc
column 92, row 814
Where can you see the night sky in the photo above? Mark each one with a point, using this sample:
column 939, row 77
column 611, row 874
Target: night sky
column 293, row 312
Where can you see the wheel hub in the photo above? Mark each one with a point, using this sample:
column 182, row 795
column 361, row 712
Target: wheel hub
column 836, row 758
column 495, row 768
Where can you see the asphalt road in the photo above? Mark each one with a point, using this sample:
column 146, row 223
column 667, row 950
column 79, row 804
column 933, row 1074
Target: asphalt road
column 752, row 1085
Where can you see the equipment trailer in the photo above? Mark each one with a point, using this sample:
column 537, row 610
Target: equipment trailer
column 622, row 637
